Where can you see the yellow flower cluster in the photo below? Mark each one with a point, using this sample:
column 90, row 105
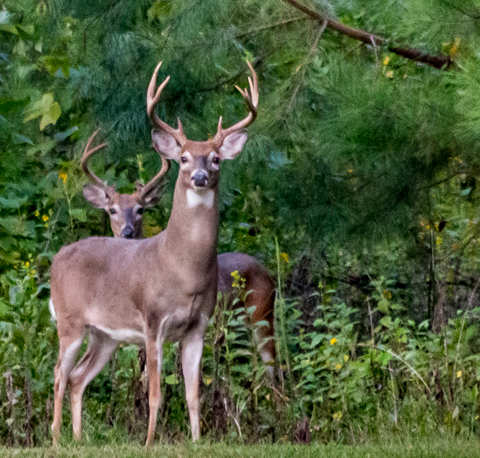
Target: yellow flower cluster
column 238, row 281
column 26, row 267
column 387, row 294
column 333, row 341
column 63, row 176
column 337, row 416
column 284, row 256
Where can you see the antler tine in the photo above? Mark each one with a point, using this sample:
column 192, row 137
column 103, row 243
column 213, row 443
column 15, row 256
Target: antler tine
column 152, row 100
column 251, row 99
column 157, row 177
column 87, row 154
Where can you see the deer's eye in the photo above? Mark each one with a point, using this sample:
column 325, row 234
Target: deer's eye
column 184, row 159
column 140, row 211
column 112, row 211
column 216, row 160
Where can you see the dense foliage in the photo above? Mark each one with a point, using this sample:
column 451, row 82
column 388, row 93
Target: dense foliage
column 357, row 189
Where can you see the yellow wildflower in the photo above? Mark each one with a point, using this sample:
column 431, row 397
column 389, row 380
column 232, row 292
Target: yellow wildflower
column 345, row 358
column 27, row 264
column 333, row 341
column 284, row 256
column 45, row 218
column 37, row 213
column 63, row 176
column 389, row 74
column 238, row 281
column 459, row 374
column 454, row 48
column 338, row 366
column 337, row 416
column 439, row 240
column 350, row 170
column 386, row 61
column 387, row 294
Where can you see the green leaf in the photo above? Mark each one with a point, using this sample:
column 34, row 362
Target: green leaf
column 17, row 226
column 51, row 116
column 46, row 108
column 12, row 201
column 158, row 10
column 383, row 306
column 316, row 340
column 61, row 136
column 79, row 214
column 28, row 29
column 19, row 139
column 3, row 308
column 42, row 147
column 8, row 28
column 53, row 63
column 171, row 380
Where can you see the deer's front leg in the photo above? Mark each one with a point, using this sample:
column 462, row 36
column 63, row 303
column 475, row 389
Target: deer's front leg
column 192, row 349
column 154, row 368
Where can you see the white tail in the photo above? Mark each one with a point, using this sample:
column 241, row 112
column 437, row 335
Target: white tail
column 147, row 291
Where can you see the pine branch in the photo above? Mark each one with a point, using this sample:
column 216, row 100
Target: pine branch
column 440, row 61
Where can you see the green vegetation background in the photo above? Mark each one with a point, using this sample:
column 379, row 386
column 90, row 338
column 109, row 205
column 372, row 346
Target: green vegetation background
column 357, row 189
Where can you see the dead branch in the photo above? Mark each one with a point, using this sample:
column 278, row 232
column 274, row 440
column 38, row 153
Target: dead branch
column 440, row 61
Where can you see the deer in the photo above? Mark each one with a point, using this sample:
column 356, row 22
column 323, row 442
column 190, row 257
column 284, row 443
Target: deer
column 125, row 212
column 148, row 291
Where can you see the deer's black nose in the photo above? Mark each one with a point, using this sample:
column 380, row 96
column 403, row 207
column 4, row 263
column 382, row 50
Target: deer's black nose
column 127, row 233
column 200, row 179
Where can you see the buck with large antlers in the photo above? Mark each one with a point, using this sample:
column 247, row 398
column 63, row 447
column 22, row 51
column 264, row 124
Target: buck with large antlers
column 151, row 290
column 126, row 220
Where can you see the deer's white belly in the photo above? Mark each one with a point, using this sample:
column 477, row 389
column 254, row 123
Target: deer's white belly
column 123, row 335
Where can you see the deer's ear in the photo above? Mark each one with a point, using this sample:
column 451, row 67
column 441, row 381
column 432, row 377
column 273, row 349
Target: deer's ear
column 96, row 195
column 232, row 145
column 152, row 197
column 166, row 145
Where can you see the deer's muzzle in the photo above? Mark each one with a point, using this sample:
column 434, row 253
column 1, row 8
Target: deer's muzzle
column 200, row 179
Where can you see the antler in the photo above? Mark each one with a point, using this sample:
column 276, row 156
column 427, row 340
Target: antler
column 251, row 99
column 151, row 184
column 152, row 100
column 87, row 154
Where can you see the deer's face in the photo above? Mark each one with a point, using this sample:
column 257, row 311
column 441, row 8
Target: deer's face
column 124, row 210
column 199, row 161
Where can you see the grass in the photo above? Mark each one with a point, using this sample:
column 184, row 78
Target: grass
column 436, row 447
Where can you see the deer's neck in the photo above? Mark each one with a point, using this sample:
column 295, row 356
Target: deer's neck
column 192, row 229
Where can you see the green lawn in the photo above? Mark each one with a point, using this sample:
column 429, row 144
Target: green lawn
column 434, row 448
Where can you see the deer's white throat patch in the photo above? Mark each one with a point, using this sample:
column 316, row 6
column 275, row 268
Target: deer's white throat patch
column 194, row 199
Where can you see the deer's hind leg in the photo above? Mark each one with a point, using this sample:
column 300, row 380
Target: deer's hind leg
column 69, row 346
column 99, row 352
column 264, row 301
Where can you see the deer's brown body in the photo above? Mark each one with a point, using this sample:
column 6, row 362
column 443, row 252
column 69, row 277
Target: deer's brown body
column 157, row 289
column 127, row 222
column 261, row 288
